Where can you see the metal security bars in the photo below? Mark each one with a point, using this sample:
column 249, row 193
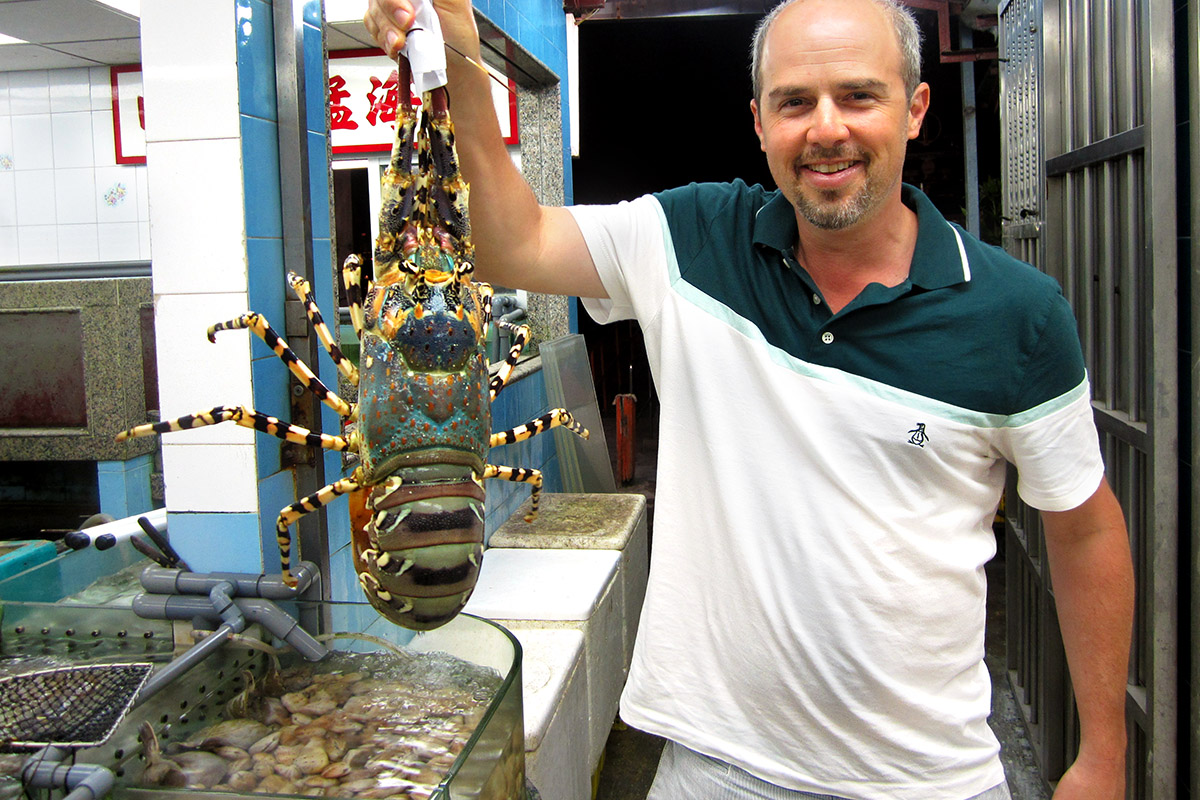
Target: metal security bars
column 1090, row 193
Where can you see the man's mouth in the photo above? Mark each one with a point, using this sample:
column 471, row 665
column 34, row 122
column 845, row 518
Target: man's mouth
column 829, row 169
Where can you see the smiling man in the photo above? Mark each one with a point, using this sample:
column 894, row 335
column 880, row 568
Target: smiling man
column 843, row 376
column 836, row 100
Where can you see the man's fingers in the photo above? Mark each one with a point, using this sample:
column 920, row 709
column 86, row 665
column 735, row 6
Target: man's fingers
column 388, row 21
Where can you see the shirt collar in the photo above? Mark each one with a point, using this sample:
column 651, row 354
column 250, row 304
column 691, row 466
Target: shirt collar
column 939, row 258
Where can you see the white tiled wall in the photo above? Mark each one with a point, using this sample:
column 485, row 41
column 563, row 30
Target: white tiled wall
column 200, row 274
column 63, row 197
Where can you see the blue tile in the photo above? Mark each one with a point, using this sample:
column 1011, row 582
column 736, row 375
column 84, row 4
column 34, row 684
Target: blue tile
column 260, row 177
column 323, row 279
column 338, row 515
column 386, row 630
column 552, row 475
column 270, row 379
column 314, row 79
column 318, row 181
column 125, row 486
column 312, row 13
column 359, row 618
column 275, row 493
column 341, row 580
column 211, row 542
column 268, row 285
column 267, row 452
column 331, row 423
column 256, row 59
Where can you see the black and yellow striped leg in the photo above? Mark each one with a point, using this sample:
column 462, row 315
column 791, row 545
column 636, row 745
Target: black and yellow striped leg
column 247, row 418
column 304, row 292
column 558, row 417
column 257, row 323
column 520, row 337
column 522, row 475
column 485, row 299
column 306, row 505
column 356, row 291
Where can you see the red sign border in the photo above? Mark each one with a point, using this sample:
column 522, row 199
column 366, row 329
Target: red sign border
column 114, row 71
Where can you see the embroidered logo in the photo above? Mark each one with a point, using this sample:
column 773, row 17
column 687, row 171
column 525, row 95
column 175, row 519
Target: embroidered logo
column 918, row 436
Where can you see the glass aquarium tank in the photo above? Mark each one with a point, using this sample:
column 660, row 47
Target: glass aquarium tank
column 387, row 714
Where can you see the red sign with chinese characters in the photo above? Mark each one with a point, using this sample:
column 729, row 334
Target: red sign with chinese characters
column 362, row 105
column 363, row 98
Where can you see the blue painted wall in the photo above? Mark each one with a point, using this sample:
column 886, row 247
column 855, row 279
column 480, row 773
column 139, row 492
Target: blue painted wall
column 264, row 246
column 539, row 26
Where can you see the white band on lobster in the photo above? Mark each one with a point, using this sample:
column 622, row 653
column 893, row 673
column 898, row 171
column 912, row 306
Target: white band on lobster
column 426, row 50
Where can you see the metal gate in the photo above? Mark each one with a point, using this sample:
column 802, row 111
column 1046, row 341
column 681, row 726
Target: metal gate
column 1089, row 197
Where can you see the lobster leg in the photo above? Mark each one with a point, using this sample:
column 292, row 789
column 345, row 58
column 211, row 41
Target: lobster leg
column 551, row 419
column 304, row 292
column 258, row 324
column 352, row 279
column 520, row 475
column 247, row 418
column 510, row 361
column 306, row 505
column 485, row 299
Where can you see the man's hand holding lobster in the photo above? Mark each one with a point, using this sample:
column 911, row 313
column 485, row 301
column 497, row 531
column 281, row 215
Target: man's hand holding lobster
column 389, row 21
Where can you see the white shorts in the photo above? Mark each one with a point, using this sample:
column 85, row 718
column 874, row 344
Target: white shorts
column 684, row 774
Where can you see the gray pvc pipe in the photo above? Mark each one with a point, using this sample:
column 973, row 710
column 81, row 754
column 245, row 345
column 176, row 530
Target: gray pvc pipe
column 233, row 621
column 162, row 580
column 281, row 624
column 45, row 770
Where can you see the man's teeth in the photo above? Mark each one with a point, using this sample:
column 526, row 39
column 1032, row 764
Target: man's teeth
column 830, row 168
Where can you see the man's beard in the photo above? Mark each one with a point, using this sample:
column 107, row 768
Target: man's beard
column 830, row 211
column 833, row 215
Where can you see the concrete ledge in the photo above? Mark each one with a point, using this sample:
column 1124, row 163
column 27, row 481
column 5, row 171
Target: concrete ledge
column 591, row 522
column 554, row 683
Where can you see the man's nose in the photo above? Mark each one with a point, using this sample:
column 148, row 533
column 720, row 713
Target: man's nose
column 828, row 126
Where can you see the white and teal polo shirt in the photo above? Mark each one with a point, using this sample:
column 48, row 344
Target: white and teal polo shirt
column 826, row 487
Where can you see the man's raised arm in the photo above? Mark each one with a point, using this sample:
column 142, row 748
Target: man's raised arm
column 518, row 242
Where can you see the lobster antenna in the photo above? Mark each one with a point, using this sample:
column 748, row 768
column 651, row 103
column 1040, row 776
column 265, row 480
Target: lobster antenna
column 476, row 64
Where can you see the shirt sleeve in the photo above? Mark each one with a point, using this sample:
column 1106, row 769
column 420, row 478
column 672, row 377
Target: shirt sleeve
column 1056, row 450
column 1053, row 442
column 627, row 242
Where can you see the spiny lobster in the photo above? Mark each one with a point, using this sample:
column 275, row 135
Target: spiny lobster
column 421, row 426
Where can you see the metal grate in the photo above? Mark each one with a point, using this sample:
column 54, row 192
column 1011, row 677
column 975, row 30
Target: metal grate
column 67, row 707
column 1105, row 227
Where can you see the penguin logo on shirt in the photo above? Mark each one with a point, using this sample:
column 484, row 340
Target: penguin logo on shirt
column 918, row 436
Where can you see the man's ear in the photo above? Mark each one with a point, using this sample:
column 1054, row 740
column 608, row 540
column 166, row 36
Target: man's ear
column 917, row 107
column 758, row 128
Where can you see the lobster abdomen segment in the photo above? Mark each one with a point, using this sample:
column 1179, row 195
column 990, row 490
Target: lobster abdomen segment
column 418, row 554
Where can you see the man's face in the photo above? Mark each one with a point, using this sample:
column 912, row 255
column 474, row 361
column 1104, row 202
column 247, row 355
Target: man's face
column 834, row 118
